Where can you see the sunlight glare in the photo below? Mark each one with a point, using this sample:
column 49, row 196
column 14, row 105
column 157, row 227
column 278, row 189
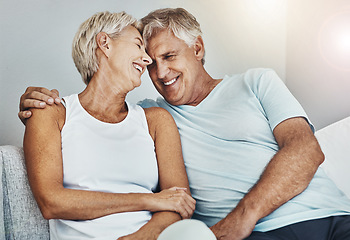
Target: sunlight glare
column 334, row 40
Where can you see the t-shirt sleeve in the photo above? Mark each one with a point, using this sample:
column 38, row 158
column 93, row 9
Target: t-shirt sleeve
column 277, row 101
column 147, row 103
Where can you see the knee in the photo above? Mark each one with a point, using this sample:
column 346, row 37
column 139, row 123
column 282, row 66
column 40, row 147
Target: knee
column 187, row 229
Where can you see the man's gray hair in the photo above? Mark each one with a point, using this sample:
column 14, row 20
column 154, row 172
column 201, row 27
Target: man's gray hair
column 177, row 20
column 85, row 45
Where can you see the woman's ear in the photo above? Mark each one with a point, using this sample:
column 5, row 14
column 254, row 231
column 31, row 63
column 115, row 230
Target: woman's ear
column 199, row 48
column 103, row 41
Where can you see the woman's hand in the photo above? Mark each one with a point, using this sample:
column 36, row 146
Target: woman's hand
column 174, row 199
column 36, row 97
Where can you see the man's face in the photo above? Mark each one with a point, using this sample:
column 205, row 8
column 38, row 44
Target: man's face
column 174, row 69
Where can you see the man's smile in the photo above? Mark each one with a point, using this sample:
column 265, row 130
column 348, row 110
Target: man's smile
column 171, row 81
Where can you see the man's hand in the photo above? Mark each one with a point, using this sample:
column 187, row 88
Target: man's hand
column 36, row 97
column 152, row 229
column 140, row 235
column 237, row 225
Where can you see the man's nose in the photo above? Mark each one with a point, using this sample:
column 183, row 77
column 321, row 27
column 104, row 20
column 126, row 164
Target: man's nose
column 162, row 70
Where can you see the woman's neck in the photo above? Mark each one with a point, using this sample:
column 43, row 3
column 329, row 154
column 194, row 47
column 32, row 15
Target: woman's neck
column 104, row 101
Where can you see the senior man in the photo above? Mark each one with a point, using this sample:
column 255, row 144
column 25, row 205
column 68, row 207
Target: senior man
column 248, row 146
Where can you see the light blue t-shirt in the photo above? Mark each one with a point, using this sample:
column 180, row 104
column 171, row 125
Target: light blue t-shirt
column 227, row 140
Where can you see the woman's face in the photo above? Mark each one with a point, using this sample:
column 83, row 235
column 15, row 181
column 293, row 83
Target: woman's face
column 128, row 58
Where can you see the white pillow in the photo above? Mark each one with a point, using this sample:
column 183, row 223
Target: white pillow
column 335, row 143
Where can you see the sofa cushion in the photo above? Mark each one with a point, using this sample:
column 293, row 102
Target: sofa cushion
column 335, row 143
column 22, row 217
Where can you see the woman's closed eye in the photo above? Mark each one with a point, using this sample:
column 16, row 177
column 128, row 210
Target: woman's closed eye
column 139, row 43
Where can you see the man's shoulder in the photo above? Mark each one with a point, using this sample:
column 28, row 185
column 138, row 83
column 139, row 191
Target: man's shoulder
column 259, row 70
column 258, row 73
column 251, row 74
column 251, row 77
column 258, row 77
column 148, row 103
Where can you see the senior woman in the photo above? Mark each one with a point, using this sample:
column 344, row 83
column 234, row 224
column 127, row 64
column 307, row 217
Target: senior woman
column 95, row 161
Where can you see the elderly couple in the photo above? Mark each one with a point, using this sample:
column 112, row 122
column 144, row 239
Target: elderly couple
column 102, row 168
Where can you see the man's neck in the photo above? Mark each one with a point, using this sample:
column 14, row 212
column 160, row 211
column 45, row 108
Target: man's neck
column 207, row 84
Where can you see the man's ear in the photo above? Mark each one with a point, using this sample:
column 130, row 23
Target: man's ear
column 199, row 48
column 103, row 41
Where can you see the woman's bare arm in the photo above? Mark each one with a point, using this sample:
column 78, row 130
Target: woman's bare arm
column 42, row 147
column 172, row 173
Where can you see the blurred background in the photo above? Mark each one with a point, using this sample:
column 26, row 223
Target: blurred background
column 306, row 42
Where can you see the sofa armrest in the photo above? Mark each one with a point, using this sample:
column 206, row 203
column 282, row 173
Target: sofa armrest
column 21, row 216
column 2, row 216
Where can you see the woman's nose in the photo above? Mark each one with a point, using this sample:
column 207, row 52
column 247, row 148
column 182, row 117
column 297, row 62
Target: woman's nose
column 147, row 59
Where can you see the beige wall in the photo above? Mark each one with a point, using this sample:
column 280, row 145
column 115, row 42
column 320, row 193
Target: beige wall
column 318, row 58
column 284, row 35
column 36, row 38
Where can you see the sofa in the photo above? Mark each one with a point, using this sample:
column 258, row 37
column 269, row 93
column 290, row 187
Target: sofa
column 20, row 217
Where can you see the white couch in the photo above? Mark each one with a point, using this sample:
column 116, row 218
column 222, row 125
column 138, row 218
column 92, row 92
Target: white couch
column 335, row 143
column 20, row 217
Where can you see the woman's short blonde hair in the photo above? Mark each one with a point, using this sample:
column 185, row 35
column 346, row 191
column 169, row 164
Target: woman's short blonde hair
column 85, row 45
column 177, row 20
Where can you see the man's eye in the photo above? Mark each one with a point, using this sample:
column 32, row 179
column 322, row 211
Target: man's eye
column 169, row 57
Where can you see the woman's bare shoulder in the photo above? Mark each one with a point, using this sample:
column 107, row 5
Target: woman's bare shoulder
column 157, row 114
column 51, row 113
column 158, row 119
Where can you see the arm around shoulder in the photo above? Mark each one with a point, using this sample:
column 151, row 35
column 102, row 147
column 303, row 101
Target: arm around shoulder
column 36, row 97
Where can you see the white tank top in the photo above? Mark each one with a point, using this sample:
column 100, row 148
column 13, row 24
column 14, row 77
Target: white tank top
column 99, row 156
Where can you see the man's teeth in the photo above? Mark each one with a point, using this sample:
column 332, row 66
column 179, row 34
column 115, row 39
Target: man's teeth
column 170, row 82
column 138, row 67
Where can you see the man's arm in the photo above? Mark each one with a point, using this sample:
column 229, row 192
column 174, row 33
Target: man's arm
column 36, row 97
column 288, row 174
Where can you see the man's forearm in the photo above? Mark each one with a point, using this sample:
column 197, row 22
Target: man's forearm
column 288, row 174
column 158, row 222
column 284, row 178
